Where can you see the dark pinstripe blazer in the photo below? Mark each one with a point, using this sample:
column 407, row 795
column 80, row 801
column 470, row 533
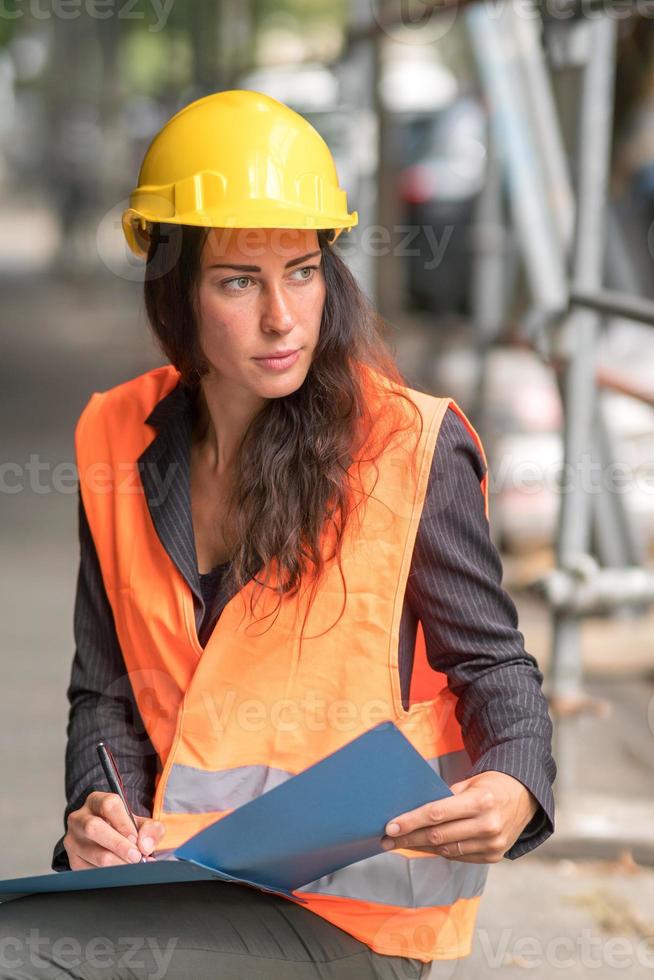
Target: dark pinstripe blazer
column 454, row 588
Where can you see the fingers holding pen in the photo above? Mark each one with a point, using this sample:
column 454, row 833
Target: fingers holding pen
column 150, row 834
column 100, row 834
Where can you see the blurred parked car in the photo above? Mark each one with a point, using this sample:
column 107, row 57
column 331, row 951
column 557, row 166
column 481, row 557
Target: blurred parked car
column 442, row 162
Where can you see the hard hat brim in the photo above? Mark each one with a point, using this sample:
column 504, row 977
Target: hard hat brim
column 137, row 224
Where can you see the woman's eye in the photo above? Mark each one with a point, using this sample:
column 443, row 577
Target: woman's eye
column 307, row 268
column 239, row 279
column 239, row 283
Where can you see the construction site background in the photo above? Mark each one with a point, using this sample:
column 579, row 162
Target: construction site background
column 72, row 322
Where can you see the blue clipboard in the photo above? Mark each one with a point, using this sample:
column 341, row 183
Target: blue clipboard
column 325, row 818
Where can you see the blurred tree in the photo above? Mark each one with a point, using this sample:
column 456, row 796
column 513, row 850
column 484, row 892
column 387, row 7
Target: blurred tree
column 301, row 9
column 110, row 78
column 305, row 18
column 10, row 20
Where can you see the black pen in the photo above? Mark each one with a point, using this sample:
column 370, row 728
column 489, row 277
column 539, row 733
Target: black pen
column 115, row 782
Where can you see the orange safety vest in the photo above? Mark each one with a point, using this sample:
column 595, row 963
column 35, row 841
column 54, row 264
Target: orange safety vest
column 245, row 713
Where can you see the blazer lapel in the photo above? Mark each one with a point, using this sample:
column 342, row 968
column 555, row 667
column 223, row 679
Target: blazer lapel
column 165, row 473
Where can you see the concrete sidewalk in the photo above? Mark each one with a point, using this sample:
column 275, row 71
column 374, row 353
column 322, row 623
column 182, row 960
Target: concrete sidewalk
column 546, row 919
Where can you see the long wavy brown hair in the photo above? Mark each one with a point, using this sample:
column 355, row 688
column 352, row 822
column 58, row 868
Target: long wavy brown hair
column 294, row 470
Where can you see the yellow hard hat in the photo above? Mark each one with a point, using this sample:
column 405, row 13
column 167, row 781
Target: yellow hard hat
column 236, row 159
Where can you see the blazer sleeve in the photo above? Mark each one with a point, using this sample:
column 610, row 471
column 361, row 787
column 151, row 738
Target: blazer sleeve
column 102, row 705
column 471, row 630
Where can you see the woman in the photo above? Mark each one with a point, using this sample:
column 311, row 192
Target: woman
column 273, row 559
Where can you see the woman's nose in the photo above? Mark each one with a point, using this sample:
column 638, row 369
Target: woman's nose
column 276, row 313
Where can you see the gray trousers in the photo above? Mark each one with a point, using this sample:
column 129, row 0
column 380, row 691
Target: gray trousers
column 190, row 930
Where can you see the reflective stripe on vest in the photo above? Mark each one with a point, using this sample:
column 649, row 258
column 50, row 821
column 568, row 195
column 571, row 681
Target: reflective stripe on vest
column 192, row 790
column 394, row 879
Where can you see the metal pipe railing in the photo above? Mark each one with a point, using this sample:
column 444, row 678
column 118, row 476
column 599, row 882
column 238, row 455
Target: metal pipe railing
column 612, row 303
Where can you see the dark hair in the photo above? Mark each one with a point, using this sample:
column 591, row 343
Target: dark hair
column 291, row 474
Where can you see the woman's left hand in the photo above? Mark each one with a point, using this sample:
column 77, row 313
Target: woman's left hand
column 486, row 815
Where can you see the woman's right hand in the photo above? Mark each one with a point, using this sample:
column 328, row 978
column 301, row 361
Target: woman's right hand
column 101, row 834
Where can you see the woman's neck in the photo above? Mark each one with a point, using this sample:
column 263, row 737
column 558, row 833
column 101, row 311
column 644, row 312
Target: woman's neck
column 219, row 424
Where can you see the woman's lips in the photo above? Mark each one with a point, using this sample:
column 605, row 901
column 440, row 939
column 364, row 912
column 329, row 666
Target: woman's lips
column 278, row 363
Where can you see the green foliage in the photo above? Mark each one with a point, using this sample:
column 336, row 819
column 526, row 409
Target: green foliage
column 302, row 9
column 165, row 44
column 149, row 63
column 11, row 17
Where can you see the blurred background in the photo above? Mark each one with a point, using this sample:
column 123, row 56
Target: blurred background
column 501, row 157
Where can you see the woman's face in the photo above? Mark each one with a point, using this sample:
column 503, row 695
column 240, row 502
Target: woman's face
column 261, row 291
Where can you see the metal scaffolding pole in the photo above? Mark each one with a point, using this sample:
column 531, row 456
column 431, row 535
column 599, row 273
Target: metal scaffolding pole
column 493, row 38
column 488, row 282
column 578, row 381
column 361, row 69
column 543, row 110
